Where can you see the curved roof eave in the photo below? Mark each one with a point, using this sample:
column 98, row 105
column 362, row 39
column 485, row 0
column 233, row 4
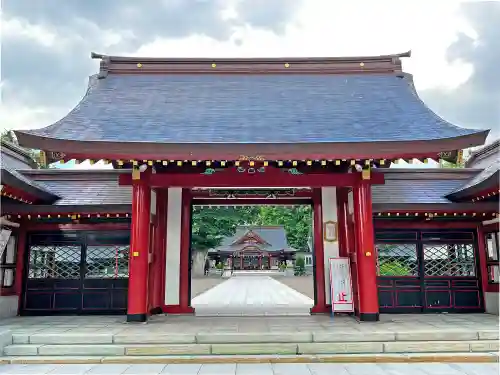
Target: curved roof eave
column 216, row 151
column 486, row 180
column 20, row 134
column 35, row 189
column 49, row 138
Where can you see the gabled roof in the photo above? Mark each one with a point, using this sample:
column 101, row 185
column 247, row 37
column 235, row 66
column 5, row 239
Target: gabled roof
column 487, row 180
column 250, row 234
column 491, row 150
column 13, row 158
column 357, row 107
column 274, row 238
column 417, row 189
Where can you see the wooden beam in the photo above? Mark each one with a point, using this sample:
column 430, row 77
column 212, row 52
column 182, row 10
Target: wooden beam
column 231, row 178
column 250, row 202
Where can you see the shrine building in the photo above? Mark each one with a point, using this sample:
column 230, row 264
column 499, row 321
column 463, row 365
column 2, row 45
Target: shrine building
column 315, row 131
column 254, row 248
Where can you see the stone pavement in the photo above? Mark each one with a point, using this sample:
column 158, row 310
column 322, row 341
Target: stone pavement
column 23, row 327
column 109, row 339
column 200, row 284
column 258, row 369
column 251, row 296
column 302, row 284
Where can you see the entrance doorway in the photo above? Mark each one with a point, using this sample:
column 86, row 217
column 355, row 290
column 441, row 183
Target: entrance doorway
column 251, row 260
column 424, row 271
column 76, row 272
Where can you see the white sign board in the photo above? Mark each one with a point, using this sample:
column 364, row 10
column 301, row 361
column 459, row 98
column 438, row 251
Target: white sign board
column 341, row 285
column 4, row 239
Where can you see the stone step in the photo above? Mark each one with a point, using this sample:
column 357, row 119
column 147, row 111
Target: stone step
column 335, row 358
column 325, row 336
column 276, row 348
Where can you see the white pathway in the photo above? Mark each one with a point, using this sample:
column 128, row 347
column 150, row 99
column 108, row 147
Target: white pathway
column 258, row 369
column 251, row 296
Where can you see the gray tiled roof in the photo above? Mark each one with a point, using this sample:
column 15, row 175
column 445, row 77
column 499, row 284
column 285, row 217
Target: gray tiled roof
column 90, row 192
column 274, row 236
column 22, row 178
column 414, row 191
column 489, row 173
column 251, row 108
column 13, row 158
column 401, row 187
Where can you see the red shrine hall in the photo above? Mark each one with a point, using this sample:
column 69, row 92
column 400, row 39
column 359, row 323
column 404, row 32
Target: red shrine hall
column 316, row 131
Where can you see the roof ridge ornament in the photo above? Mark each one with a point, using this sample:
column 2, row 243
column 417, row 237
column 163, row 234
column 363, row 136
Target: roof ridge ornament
column 281, row 65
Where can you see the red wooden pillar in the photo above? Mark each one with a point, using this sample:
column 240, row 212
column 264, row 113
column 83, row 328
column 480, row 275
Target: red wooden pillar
column 241, row 261
column 483, row 266
column 365, row 253
column 185, row 255
column 260, row 262
column 343, row 221
column 20, row 261
column 160, row 253
column 319, row 257
column 139, row 252
column 152, row 263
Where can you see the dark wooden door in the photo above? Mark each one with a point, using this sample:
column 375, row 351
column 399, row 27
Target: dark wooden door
column 422, row 271
column 450, row 270
column 76, row 273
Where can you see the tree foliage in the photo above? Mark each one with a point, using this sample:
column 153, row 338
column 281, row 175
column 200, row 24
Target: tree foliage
column 9, row 136
column 212, row 224
column 300, row 266
column 394, row 268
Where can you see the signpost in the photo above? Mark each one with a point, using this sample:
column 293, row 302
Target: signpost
column 341, row 285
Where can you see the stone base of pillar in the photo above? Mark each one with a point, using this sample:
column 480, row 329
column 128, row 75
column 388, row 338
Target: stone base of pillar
column 177, row 309
column 136, row 318
column 369, row 317
column 317, row 309
column 156, row 310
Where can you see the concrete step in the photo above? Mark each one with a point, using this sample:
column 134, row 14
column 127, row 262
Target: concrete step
column 257, row 348
column 220, row 359
column 162, row 337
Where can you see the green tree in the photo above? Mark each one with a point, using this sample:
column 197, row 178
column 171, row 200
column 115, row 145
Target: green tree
column 297, row 221
column 394, row 268
column 300, row 266
column 9, row 136
column 212, row 224
column 447, row 164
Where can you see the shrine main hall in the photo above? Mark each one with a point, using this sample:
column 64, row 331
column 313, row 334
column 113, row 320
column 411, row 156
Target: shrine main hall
column 316, row 131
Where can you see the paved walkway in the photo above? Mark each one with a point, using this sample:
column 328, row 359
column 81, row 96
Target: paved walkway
column 251, row 296
column 161, row 325
column 259, row 369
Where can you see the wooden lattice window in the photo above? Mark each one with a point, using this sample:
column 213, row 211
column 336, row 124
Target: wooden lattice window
column 492, row 241
column 8, row 266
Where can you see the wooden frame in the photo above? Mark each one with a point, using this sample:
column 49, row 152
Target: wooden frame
column 330, row 231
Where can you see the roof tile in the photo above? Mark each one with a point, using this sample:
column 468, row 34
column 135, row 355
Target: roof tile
column 251, row 108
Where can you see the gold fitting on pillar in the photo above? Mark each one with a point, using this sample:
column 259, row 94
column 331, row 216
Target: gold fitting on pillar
column 365, row 174
column 368, row 254
column 136, row 173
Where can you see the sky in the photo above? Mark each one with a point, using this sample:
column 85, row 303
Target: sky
column 46, row 45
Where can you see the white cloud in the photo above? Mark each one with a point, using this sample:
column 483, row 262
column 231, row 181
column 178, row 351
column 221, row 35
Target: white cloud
column 354, row 28
column 21, row 27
